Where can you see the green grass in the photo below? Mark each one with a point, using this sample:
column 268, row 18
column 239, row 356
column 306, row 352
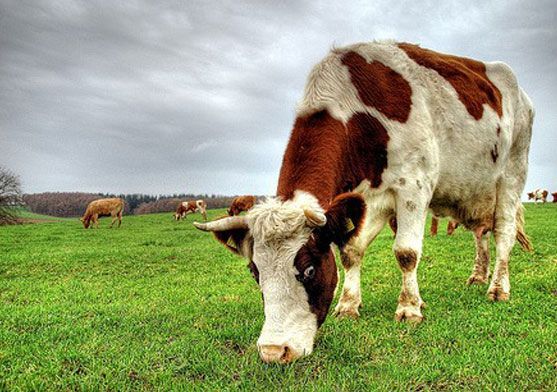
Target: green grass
column 159, row 305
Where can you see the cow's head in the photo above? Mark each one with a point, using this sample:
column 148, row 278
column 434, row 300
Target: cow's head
column 288, row 245
column 233, row 210
column 531, row 195
column 86, row 221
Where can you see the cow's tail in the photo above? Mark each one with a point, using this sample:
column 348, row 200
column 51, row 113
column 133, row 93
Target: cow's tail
column 521, row 236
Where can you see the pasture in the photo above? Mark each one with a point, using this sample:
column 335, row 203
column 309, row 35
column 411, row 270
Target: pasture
column 158, row 305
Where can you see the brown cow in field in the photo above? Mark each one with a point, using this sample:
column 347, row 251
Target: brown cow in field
column 241, row 204
column 554, row 194
column 189, row 207
column 103, row 207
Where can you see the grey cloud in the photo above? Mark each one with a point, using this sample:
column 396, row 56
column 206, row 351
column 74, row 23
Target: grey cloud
column 200, row 96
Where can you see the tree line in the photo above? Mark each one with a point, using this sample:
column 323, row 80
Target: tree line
column 72, row 204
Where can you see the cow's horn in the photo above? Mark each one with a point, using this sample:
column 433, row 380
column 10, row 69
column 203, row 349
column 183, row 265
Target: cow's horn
column 233, row 222
column 315, row 218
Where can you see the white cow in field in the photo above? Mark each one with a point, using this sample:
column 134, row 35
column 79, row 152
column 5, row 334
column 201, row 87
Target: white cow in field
column 384, row 130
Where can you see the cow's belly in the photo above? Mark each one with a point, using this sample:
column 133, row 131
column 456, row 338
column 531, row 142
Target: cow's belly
column 466, row 187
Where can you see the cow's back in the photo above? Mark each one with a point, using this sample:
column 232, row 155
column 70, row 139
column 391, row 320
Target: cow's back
column 450, row 117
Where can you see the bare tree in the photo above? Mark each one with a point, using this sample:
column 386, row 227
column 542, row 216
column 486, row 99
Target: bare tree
column 10, row 196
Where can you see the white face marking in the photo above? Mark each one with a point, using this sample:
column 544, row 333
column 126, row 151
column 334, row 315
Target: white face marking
column 279, row 230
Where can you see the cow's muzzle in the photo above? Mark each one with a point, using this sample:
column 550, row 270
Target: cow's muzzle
column 277, row 354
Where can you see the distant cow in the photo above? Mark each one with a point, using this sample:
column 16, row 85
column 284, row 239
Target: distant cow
column 451, row 226
column 554, row 194
column 538, row 194
column 241, row 204
column 189, row 207
column 103, row 207
column 405, row 129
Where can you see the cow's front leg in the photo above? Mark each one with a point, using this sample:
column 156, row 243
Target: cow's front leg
column 351, row 298
column 351, row 255
column 411, row 216
column 480, row 273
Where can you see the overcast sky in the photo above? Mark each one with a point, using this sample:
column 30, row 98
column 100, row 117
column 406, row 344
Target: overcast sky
column 199, row 96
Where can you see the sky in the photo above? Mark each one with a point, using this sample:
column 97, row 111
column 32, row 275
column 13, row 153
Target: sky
column 200, row 96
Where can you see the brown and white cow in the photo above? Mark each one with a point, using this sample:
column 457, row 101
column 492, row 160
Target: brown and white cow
column 241, row 204
column 189, row 207
column 113, row 207
column 554, row 194
column 538, row 194
column 404, row 128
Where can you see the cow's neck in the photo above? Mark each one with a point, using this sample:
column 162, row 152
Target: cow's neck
column 313, row 158
column 325, row 157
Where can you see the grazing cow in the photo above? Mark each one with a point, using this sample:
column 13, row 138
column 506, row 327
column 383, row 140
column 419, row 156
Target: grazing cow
column 538, row 194
column 451, row 226
column 241, row 204
column 103, row 207
column 404, row 128
column 189, row 207
column 554, row 194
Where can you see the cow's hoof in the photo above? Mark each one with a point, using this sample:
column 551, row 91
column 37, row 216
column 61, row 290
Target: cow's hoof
column 476, row 279
column 497, row 294
column 411, row 314
column 346, row 312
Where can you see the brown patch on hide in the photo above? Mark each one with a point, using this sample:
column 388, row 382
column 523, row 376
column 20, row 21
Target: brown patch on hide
column 380, row 86
column 324, row 157
column 367, row 152
column 468, row 77
column 407, row 259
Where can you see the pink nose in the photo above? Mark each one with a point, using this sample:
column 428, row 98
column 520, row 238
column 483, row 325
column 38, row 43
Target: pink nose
column 274, row 353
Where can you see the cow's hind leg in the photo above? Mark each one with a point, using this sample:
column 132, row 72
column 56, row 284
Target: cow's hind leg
column 120, row 219
column 411, row 218
column 509, row 188
column 480, row 274
column 505, row 233
column 351, row 255
column 114, row 217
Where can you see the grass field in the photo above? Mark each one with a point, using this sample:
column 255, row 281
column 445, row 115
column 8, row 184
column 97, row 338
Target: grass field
column 157, row 305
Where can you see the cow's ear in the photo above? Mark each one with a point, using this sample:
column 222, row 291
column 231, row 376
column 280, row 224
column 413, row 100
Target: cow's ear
column 238, row 241
column 344, row 218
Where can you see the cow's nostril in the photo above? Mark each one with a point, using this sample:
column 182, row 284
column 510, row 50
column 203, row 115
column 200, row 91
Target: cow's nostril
column 276, row 353
column 286, row 354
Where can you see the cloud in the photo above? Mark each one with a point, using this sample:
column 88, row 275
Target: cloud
column 200, row 96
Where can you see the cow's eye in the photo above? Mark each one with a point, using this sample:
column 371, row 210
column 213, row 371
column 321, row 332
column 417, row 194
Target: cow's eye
column 309, row 272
